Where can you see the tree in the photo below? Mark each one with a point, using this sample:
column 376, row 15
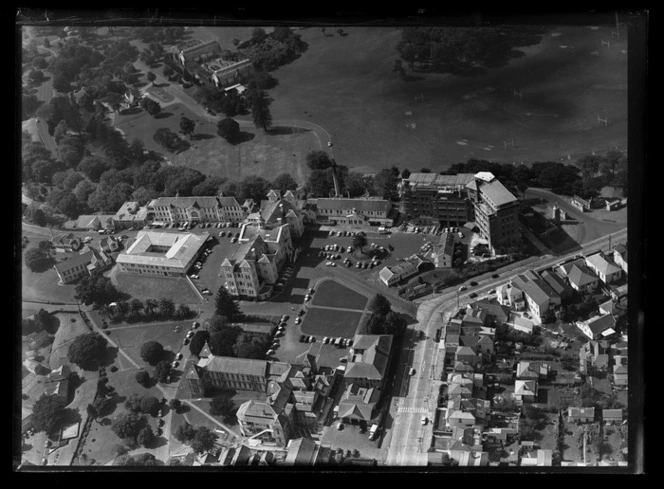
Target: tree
column 38, row 260
column 356, row 184
column 29, row 105
column 394, row 324
column 175, row 404
column 87, row 350
column 258, row 35
column 203, row 440
column 36, row 77
column 217, row 323
column 48, row 413
column 96, row 290
column 162, row 371
column 168, row 71
column 128, row 425
column 198, row 341
column 187, row 126
column 379, row 305
column 150, row 405
column 103, row 406
column 259, row 104
column 119, row 450
column 94, row 167
column 284, row 182
column 185, row 433
column 229, row 129
column 167, row 138
column 166, row 307
column 319, row 160
column 153, row 107
column 223, row 406
column 143, row 378
column 35, row 215
column 133, row 403
column 253, row 187
column 145, row 437
column 385, row 184
column 250, row 350
column 359, row 241
column 226, row 306
column 151, row 77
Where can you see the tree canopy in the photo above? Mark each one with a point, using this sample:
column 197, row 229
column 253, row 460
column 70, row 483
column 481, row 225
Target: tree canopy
column 48, row 413
column 152, row 351
column 96, row 290
column 128, row 425
column 38, row 260
column 259, row 104
column 229, row 129
column 223, row 405
column 379, row 305
column 87, row 350
column 226, row 305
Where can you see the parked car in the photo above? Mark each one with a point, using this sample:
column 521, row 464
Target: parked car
column 473, row 295
column 175, row 364
column 424, row 420
column 495, row 275
column 269, row 352
column 302, row 338
column 195, row 324
column 284, row 318
column 178, row 356
column 298, row 320
column 190, row 334
column 412, row 371
column 462, row 288
column 473, row 283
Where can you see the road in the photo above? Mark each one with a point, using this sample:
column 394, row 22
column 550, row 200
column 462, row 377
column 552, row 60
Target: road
column 409, row 439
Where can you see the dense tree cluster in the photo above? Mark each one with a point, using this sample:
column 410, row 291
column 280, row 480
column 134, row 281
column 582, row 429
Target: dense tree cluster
column 152, row 351
column 39, row 260
column 268, row 52
column 459, row 50
column 96, row 290
column 222, row 405
column 383, row 320
column 135, row 310
column 48, row 413
column 201, row 439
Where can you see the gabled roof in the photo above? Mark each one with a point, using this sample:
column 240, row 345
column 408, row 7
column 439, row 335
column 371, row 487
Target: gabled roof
column 301, row 451
column 464, row 350
column 497, row 311
column 555, row 282
column 603, row 266
column 232, row 365
column 598, row 324
column 621, row 249
column 581, row 412
column 496, row 193
column 75, row 260
column 581, row 275
column 525, row 387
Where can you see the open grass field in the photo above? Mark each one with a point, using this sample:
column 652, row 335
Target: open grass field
column 332, row 294
column 131, row 339
column 154, row 287
column 328, row 322
column 347, row 85
column 282, row 150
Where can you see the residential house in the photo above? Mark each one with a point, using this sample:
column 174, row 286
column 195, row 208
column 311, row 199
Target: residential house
column 474, row 320
column 235, row 456
column 57, row 383
column 358, row 404
column 511, row 296
column 581, row 278
column 581, row 415
column 66, row 243
column 620, row 256
column 74, row 268
column 100, row 260
column 355, row 212
column 525, row 390
column 229, row 73
column 195, row 51
column 612, row 416
column 108, row 245
column 526, row 370
column 598, row 326
column 557, row 283
column 520, row 323
column 609, row 307
column 444, row 255
column 485, row 346
column 540, row 297
column 460, row 419
column 606, row 271
column 469, row 458
column 465, row 354
column 407, row 268
column 595, row 354
column 538, row 458
column 620, row 377
column 497, row 313
column 619, row 294
column 271, row 420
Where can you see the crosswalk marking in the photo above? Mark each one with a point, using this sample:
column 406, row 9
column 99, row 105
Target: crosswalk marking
column 421, row 410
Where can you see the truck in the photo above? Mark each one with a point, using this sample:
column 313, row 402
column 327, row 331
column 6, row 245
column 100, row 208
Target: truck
column 383, row 230
column 373, row 432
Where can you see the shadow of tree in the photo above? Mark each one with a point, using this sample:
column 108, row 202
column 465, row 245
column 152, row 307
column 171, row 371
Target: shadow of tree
column 201, row 136
column 132, row 111
column 284, row 130
column 163, row 115
column 244, row 137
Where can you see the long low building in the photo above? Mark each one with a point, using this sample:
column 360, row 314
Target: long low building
column 165, row 254
column 355, row 212
column 196, row 209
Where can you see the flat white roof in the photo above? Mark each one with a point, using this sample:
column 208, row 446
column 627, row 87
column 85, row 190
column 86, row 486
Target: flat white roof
column 182, row 248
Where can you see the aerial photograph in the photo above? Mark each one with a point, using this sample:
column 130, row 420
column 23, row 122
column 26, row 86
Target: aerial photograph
column 331, row 245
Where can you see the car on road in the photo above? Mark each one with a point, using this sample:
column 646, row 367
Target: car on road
column 326, row 340
column 186, row 341
column 412, row 371
column 462, row 288
column 284, row 318
column 190, row 334
column 307, row 297
column 194, row 276
column 495, row 275
column 473, row 283
column 175, row 364
column 473, row 295
column 178, row 356
column 302, row 337
column 340, row 426
column 312, row 339
column 329, row 144
column 206, row 292
column 269, row 352
column 195, row 325
column 298, row 320
column 424, row 420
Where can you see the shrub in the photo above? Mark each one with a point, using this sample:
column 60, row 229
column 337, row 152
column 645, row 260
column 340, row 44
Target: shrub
column 143, row 378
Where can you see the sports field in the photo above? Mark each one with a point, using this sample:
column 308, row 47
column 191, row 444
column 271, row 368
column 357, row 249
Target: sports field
column 332, row 294
column 347, row 85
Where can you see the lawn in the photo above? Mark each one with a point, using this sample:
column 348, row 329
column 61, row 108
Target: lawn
column 282, row 150
column 45, row 286
column 326, row 322
column 131, row 339
column 332, row 294
column 347, row 85
column 155, row 287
